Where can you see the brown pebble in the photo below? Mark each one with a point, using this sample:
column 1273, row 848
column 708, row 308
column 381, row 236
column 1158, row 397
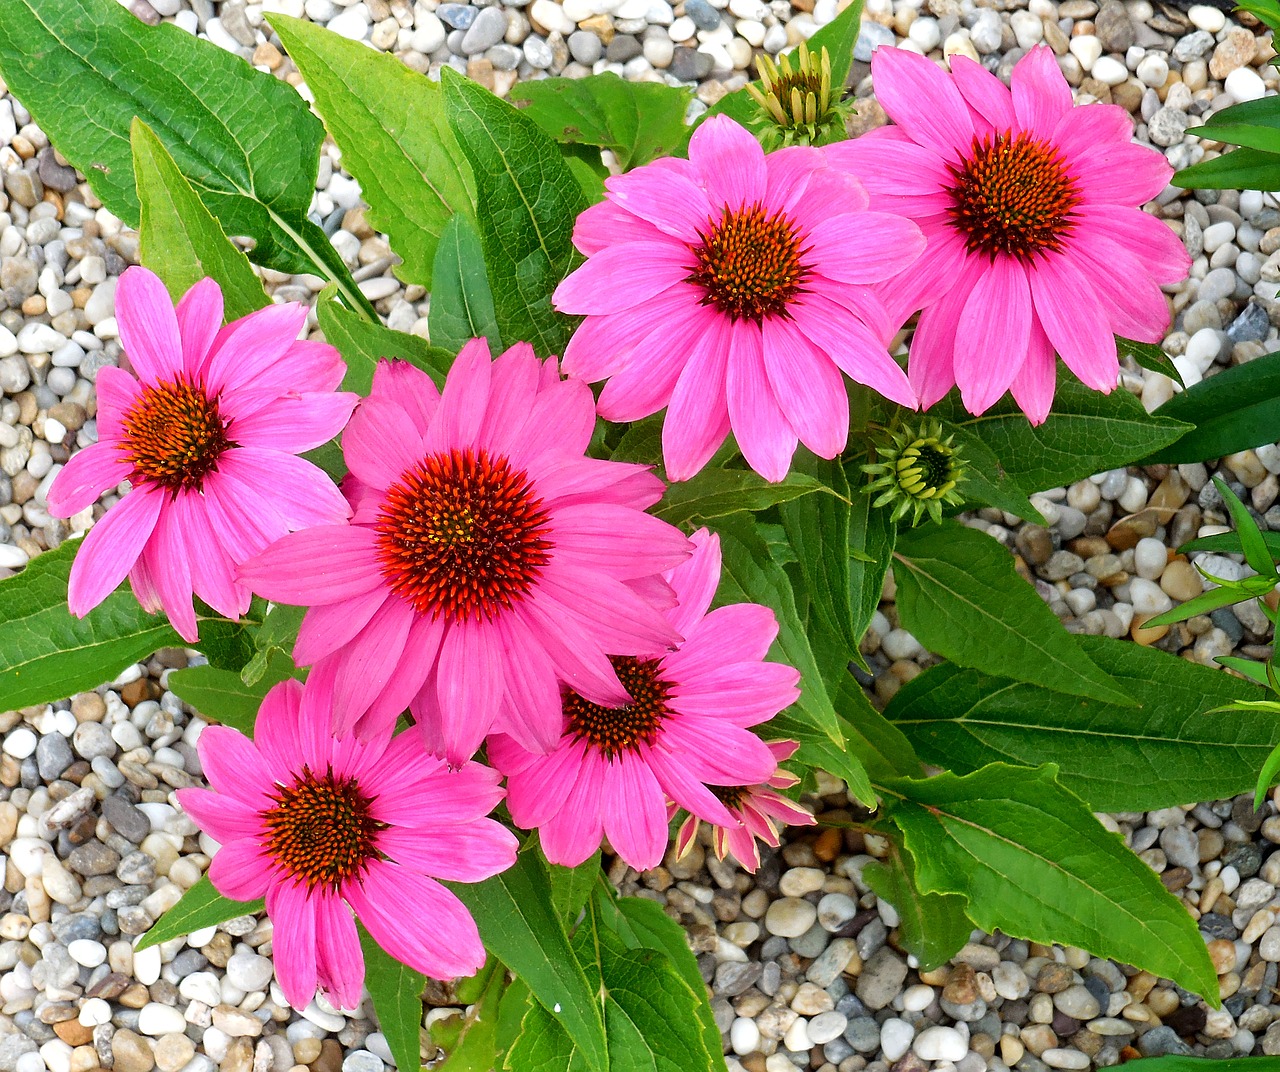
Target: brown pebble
column 139, row 691
column 73, row 1032
column 962, row 987
column 1175, row 878
column 1054, row 978
column 827, row 845
column 330, row 1059
column 132, row 1052
column 1146, row 637
column 1222, row 953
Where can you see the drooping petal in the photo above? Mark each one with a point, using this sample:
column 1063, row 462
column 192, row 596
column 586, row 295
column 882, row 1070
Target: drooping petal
column 865, row 247
column 368, row 663
column 623, row 276
column 470, row 684
column 467, row 852
column 293, row 917
column 90, row 473
column 325, row 564
column 199, row 315
column 694, row 582
column 339, row 962
column 853, row 347
column 573, row 833
column 1082, row 337
column 991, row 336
column 295, row 424
column 1034, row 385
column 698, row 417
column 984, row 92
column 764, row 434
column 110, row 548
column 248, row 347
column 241, row 871
column 808, row 388
column 224, row 818
column 633, row 813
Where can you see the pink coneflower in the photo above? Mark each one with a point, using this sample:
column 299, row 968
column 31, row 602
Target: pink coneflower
column 207, row 434
column 323, row 826
column 1036, row 241
column 731, row 288
column 754, row 809
column 683, row 729
column 487, row 562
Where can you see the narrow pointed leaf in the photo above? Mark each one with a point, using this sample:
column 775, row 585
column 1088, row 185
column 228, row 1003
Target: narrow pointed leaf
column 1255, row 548
column 363, row 344
column 201, row 906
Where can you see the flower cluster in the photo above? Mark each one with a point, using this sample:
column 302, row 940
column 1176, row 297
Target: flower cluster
column 480, row 571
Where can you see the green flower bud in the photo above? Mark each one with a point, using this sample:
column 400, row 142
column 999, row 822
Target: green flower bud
column 795, row 102
column 918, row 472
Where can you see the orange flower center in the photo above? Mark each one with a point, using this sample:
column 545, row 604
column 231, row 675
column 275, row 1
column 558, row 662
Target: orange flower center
column 322, row 830
column 462, row 534
column 1013, row 195
column 621, row 729
column 750, row 263
column 174, row 435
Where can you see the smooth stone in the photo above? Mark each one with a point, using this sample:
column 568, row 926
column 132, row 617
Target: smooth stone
column 790, row 917
column 940, row 1044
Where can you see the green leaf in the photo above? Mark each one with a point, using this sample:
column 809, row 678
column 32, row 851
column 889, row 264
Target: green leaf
column 246, row 141
column 396, row 990
column 932, row 927
column 1149, row 356
column 180, row 240
column 527, row 202
column 201, row 906
column 1200, row 1064
column 1085, row 433
column 871, row 540
column 48, row 653
column 571, row 886
column 461, row 302
column 985, row 477
column 716, row 492
column 389, row 123
column 1255, row 124
column 274, row 641
column 1232, row 411
column 1175, row 751
column 1228, row 543
column 1034, row 863
column 520, row 926
column 1240, row 169
column 1254, row 546
column 476, row 1043
column 227, row 645
column 1266, row 777
column 363, row 343
column 880, row 746
column 959, row 595
column 749, row 568
column 639, row 121
column 1207, row 602
column 1256, row 672
column 222, row 695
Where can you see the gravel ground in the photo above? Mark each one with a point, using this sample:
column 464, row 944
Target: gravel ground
column 800, row 956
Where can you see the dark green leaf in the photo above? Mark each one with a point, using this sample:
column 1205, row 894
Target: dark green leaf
column 1266, row 777
column 363, row 343
column 180, row 240
column 1254, row 671
column 201, row 906
column 519, row 924
column 245, row 139
column 389, row 124
column 639, row 121
column 716, row 492
column 985, row 478
column 1172, row 752
column 871, row 539
column 1085, row 433
column 1034, row 863
column 1200, row 1064
column 527, row 202
column 461, row 302
column 1232, row 411
column 1149, row 356
column 571, row 886
column 959, row 595
column 932, row 927
column 48, row 653
column 880, row 746
column 475, row 1044
column 220, row 695
column 1207, row 602
column 1228, row 543
column 1240, row 169
column 396, row 990
column 274, row 641
column 1251, row 541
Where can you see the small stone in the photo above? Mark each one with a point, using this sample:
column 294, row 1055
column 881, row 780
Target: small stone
column 1077, row 1002
column 704, row 16
column 895, row 1038
column 233, row 1022
column 131, row 1052
column 53, row 756
column 86, row 952
column 1113, row 27
column 744, row 1036
column 839, row 956
column 156, row 1019
column 1245, row 84
column 1109, row 71
column 1234, row 51
column 826, row 1026
column 881, row 979
column 1167, row 127
column 249, row 972
column 1058, row 1057
column 790, row 917
column 940, row 1044
column 489, row 27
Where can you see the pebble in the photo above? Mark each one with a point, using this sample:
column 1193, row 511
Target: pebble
column 940, row 1044
column 790, row 917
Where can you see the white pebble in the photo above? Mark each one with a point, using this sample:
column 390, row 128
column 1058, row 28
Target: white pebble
column 797, row 1036
column 940, row 1044
column 156, row 1019
column 1204, row 17
column 1152, row 70
column 87, row 952
column 20, row 743
column 900, row 644
column 1150, row 558
column 1060, row 1057
column 917, row 998
column 1203, row 348
column 1148, row 597
column 744, row 1036
column 1217, row 235
column 895, row 1038
column 1244, row 84
column 925, row 33
column 1087, row 49
column 95, row 1011
column 1109, row 71
column 1027, row 28
column 146, row 965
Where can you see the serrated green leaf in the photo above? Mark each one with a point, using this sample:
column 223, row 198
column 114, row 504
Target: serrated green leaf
column 1174, row 751
column 932, row 927
column 1034, row 863
column 461, row 302
column 959, row 595
column 638, row 121
column 1149, row 356
column 519, row 924
column 1085, row 433
column 396, row 990
column 201, row 906
column 48, row 653
column 716, row 492
column 363, row 344
column 179, row 238
column 389, row 123
column 1235, row 410
column 1240, row 169
column 985, row 478
column 527, row 202
column 244, row 139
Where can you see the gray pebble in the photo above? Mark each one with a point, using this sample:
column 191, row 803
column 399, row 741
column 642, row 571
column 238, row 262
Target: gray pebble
column 704, row 16
column 1252, row 325
column 871, row 36
column 129, row 822
column 881, row 979
column 457, row 16
column 489, row 27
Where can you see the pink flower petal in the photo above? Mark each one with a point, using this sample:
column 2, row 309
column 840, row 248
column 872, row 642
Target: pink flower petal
column 1121, row 174
column 241, row 871
column 617, row 540
column 684, row 786
column 304, row 368
column 598, row 226
column 250, row 346
column 234, row 766
column 1082, row 338
column 117, row 393
column 622, row 622
column 278, row 731
column 463, row 401
column 110, row 548
column 674, row 203
column 381, row 442
column 438, row 938
column 339, row 961
column 470, row 683
column 368, row 663
column 575, row 653
column 931, row 367
column 622, row 276
column 168, row 557
column 1136, row 310
column 467, row 852
column 293, row 917
column 854, row 348
column 731, row 163
column 764, row 434
column 864, row 247
column 944, row 261
column 741, row 632
column 1162, row 252
column 295, row 424
column 410, row 387
column 1034, row 384
column 694, row 582
column 325, row 564
column 602, row 344
column 922, row 100
column 148, row 326
column 984, row 92
column 901, row 176
column 573, row 833
column 808, row 388
column 212, row 571
column 788, row 172
column 531, row 712
column 698, row 417
column 560, row 423
column 538, row 789
column 224, row 818
column 417, row 663
column 1041, row 95
column 331, row 626
column 199, row 316
column 633, row 812
column 991, row 336
column 647, row 379
column 1084, row 131
column 90, row 473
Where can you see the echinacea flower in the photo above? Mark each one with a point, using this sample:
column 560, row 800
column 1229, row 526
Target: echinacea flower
column 796, row 105
column 757, row 810
column 1036, row 239
column 487, row 561
column 732, row 288
column 324, row 826
column 917, row 472
column 207, row 434
column 683, row 732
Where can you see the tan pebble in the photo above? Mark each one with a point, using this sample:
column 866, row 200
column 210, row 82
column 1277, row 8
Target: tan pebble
column 1228, row 985
column 132, row 1052
column 73, row 1032
column 938, row 977
column 135, row 996
column 962, row 987
column 173, row 1051
column 1258, row 925
column 306, row 1050
column 1222, row 953
column 1146, row 637
column 1162, row 1001
column 83, row 1059
column 1211, row 892
column 1011, row 1049
column 1141, row 985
